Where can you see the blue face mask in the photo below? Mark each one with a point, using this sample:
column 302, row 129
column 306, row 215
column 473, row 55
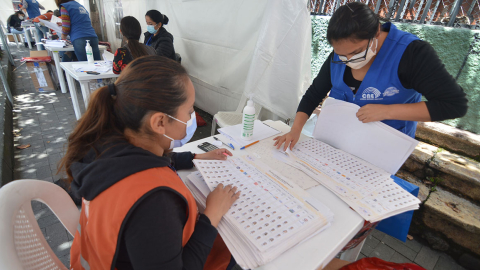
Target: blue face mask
column 151, row 29
column 191, row 127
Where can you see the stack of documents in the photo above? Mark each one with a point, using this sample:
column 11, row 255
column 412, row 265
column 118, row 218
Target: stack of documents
column 356, row 160
column 55, row 43
column 260, row 131
column 99, row 66
column 272, row 214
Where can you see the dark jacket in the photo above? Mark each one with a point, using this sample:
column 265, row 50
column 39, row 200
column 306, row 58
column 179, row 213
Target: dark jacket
column 162, row 43
column 152, row 231
column 15, row 22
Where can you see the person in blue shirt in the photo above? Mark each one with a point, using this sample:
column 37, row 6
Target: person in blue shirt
column 76, row 23
column 33, row 9
column 383, row 70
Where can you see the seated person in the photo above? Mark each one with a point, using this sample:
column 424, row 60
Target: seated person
column 136, row 211
column 131, row 30
column 14, row 26
column 157, row 36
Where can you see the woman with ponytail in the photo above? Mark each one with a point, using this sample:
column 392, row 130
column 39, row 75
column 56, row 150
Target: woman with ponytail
column 157, row 36
column 131, row 30
column 136, row 211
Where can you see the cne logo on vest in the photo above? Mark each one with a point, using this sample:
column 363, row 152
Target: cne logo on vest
column 82, row 10
column 371, row 93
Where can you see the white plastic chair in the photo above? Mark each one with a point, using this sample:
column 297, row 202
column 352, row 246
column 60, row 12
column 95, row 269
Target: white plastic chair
column 10, row 34
column 225, row 119
column 22, row 245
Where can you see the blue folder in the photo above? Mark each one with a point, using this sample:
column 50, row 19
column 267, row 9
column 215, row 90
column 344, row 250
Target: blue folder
column 398, row 226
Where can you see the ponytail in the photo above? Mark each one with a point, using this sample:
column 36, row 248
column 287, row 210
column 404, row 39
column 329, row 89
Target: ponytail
column 165, row 19
column 97, row 122
column 132, row 31
column 157, row 17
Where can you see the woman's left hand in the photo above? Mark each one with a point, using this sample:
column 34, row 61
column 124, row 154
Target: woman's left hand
column 217, row 154
column 373, row 112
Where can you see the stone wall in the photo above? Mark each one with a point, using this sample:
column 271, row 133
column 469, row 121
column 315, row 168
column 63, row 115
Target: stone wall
column 452, row 46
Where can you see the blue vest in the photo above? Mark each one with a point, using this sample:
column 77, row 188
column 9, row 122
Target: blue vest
column 381, row 84
column 80, row 24
column 33, row 9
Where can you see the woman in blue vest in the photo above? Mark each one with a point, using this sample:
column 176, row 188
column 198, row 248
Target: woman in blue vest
column 383, row 70
column 33, row 9
column 76, row 23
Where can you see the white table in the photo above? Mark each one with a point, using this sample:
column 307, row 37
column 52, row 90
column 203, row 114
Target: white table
column 29, row 26
column 83, row 78
column 322, row 248
column 55, row 51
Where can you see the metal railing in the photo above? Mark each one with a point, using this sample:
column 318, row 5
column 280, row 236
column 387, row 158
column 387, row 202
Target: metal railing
column 465, row 13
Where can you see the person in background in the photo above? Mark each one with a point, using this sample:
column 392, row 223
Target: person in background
column 157, row 36
column 76, row 23
column 136, row 211
column 32, row 7
column 14, row 25
column 131, row 30
column 41, row 29
column 383, row 70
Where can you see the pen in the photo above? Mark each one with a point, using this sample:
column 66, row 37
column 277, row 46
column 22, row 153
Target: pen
column 248, row 145
column 228, row 145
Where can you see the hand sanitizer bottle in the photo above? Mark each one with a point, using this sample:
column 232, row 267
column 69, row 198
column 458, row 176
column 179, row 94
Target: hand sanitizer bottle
column 248, row 120
column 89, row 51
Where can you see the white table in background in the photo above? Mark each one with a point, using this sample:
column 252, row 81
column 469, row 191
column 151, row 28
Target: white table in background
column 83, row 78
column 320, row 249
column 55, row 51
column 29, row 26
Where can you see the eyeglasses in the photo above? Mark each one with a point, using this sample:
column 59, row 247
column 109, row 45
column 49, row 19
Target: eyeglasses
column 356, row 60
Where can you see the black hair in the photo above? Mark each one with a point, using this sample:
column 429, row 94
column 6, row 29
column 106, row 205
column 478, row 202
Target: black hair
column 19, row 12
column 49, row 11
column 354, row 21
column 157, row 17
column 132, row 31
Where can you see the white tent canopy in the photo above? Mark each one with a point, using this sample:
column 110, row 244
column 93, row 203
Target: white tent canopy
column 234, row 47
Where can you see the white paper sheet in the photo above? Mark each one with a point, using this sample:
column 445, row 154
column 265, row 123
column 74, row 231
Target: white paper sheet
column 260, row 131
column 108, row 56
column 375, row 142
column 52, row 26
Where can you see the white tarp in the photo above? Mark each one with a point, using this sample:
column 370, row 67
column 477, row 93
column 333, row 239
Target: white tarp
column 231, row 47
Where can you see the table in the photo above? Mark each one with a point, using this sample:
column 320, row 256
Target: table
column 29, row 26
column 320, row 249
column 56, row 58
column 82, row 78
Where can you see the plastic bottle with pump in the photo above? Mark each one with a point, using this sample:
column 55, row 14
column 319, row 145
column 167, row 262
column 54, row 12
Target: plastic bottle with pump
column 89, row 51
column 248, row 119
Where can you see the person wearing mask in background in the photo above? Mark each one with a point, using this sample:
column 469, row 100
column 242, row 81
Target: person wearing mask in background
column 42, row 30
column 131, row 30
column 76, row 23
column 157, row 36
column 383, row 70
column 136, row 211
column 14, row 26
column 33, row 9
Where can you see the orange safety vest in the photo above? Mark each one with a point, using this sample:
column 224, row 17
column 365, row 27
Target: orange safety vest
column 96, row 239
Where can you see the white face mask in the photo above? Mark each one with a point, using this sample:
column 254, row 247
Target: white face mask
column 21, row 17
column 190, row 130
column 361, row 63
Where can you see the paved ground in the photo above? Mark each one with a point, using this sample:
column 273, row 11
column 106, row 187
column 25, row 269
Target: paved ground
column 44, row 120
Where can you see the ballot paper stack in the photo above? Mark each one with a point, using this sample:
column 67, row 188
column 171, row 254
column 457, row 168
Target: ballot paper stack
column 272, row 214
column 355, row 160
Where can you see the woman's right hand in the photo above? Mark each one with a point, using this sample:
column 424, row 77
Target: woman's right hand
column 290, row 139
column 219, row 201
